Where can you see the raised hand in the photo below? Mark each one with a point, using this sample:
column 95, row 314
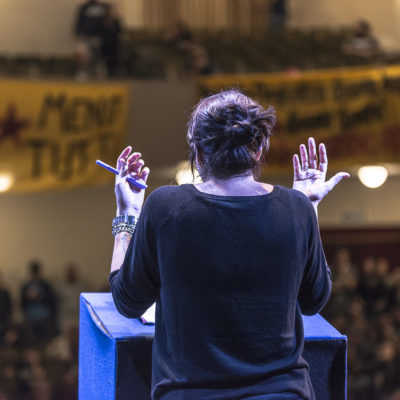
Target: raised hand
column 309, row 177
column 128, row 197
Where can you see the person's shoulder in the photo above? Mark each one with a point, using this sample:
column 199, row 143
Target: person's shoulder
column 299, row 206
column 167, row 196
column 294, row 197
column 165, row 192
column 292, row 193
column 163, row 200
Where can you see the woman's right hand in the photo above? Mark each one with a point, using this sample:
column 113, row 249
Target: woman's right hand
column 128, row 197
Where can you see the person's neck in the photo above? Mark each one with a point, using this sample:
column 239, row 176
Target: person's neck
column 243, row 185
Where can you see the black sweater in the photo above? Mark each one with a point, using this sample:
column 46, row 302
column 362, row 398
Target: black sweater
column 231, row 276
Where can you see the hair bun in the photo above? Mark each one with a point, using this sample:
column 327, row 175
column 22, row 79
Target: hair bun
column 240, row 133
column 227, row 129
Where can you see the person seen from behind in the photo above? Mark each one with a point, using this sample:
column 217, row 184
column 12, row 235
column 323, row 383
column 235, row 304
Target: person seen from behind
column 232, row 262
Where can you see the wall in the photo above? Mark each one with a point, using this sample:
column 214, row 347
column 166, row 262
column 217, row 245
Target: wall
column 39, row 26
column 382, row 14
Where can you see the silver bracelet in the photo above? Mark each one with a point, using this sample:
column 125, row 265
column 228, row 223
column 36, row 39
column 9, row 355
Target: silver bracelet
column 124, row 223
column 125, row 219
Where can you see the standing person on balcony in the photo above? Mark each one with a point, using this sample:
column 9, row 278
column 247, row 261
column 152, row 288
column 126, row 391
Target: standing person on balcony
column 88, row 30
column 111, row 30
column 277, row 14
column 231, row 262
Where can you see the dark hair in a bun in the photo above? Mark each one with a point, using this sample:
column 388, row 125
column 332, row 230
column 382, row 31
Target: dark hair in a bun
column 228, row 129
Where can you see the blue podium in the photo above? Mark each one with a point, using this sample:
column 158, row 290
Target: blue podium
column 108, row 341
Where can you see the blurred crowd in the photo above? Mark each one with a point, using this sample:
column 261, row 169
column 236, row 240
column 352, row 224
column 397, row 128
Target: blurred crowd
column 182, row 53
column 39, row 353
column 365, row 305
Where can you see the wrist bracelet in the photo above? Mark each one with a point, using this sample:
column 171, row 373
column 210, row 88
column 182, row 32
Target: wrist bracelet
column 125, row 219
column 124, row 223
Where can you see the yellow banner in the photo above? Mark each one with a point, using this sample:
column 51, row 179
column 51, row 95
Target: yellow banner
column 52, row 133
column 356, row 112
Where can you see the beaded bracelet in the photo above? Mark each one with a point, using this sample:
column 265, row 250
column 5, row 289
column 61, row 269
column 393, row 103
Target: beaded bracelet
column 124, row 223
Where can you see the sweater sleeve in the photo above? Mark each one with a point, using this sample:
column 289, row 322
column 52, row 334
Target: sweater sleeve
column 316, row 283
column 135, row 286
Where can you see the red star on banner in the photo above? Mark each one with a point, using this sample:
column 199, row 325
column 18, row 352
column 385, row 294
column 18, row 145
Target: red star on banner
column 11, row 126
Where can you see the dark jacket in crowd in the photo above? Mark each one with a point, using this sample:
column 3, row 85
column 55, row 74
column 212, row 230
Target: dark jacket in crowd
column 90, row 19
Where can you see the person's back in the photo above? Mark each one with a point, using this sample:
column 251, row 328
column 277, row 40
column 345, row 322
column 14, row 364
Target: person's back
column 231, row 262
column 228, row 292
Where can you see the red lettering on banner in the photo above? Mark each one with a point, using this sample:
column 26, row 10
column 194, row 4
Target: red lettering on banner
column 11, row 125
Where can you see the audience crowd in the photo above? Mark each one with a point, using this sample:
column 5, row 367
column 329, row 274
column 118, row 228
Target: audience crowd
column 365, row 305
column 39, row 354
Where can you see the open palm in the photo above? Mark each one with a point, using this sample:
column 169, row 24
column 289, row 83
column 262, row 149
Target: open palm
column 309, row 177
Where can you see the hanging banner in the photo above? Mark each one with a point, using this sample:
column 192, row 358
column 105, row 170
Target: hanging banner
column 355, row 112
column 52, row 133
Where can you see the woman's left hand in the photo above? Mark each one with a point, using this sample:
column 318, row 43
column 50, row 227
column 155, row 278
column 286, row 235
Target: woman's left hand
column 128, row 197
column 309, row 177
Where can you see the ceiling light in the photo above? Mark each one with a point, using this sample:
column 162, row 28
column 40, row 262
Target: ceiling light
column 6, row 181
column 373, row 176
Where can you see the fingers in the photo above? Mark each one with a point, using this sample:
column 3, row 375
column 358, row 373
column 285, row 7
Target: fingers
column 123, row 157
column 296, row 167
column 137, row 171
column 310, row 159
column 336, row 179
column 135, row 162
column 129, row 163
column 145, row 174
column 133, row 157
column 303, row 157
column 312, row 149
column 139, row 176
column 136, row 167
column 323, row 158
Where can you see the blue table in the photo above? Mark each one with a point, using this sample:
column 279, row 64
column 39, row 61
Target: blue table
column 107, row 340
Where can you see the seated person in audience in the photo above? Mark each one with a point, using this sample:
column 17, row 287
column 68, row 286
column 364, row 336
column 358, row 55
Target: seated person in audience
column 5, row 309
column 362, row 42
column 38, row 306
column 69, row 291
column 179, row 34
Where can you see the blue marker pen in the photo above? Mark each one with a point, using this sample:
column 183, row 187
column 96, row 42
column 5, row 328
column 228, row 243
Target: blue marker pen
column 115, row 171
